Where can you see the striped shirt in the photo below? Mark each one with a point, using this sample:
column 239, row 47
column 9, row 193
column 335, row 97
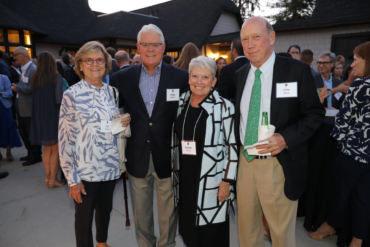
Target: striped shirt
column 149, row 86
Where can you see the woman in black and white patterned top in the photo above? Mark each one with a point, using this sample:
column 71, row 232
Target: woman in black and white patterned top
column 351, row 175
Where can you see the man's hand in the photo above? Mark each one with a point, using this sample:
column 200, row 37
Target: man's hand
column 323, row 94
column 275, row 146
column 14, row 87
column 343, row 88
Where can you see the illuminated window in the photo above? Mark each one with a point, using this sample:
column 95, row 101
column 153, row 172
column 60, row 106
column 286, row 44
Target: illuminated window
column 134, row 51
column 13, row 36
column 29, row 51
column 2, row 48
column 175, row 54
column 1, row 35
column 124, row 49
column 27, row 37
column 73, row 53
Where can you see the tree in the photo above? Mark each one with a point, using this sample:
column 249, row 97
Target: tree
column 292, row 10
column 247, row 7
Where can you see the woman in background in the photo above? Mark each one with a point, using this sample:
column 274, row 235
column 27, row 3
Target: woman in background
column 338, row 71
column 220, row 62
column 189, row 52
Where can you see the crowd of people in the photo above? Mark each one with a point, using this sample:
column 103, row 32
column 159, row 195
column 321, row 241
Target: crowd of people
column 194, row 125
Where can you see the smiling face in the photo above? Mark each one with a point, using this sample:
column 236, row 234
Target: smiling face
column 257, row 42
column 93, row 72
column 150, row 55
column 201, row 81
column 358, row 65
column 324, row 65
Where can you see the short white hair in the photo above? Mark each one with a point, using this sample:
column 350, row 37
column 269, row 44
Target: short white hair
column 150, row 27
column 204, row 62
column 23, row 50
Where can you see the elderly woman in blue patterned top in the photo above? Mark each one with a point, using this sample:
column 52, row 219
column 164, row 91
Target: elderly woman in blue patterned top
column 205, row 158
column 351, row 174
column 88, row 151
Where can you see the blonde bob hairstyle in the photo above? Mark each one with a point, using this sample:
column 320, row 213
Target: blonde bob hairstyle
column 85, row 50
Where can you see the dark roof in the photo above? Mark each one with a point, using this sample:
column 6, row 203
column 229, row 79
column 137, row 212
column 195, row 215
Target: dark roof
column 64, row 21
column 223, row 38
column 121, row 24
column 190, row 20
column 332, row 13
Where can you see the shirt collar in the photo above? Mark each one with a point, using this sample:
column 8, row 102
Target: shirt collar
column 238, row 58
column 267, row 67
column 25, row 67
column 157, row 69
column 330, row 79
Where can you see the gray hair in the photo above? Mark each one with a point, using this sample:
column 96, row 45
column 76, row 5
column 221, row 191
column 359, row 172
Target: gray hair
column 329, row 54
column 204, row 62
column 150, row 27
column 23, row 50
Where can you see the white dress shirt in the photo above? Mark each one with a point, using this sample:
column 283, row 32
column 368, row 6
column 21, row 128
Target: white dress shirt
column 24, row 68
column 267, row 70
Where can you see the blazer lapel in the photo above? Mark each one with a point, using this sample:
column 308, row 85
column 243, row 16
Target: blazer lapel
column 164, row 83
column 139, row 96
column 278, row 76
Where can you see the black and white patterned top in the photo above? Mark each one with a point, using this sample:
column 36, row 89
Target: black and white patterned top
column 352, row 123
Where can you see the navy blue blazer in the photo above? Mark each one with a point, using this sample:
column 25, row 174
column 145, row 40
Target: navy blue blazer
column 149, row 134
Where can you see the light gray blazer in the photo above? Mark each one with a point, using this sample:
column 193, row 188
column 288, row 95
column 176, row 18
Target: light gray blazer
column 24, row 91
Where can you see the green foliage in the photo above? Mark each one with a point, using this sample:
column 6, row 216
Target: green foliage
column 292, row 10
column 247, row 7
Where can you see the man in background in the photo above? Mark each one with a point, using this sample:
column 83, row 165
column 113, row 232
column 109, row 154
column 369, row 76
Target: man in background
column 112, row 52
column 295, row 51
column 122, row 59
column 136, row 60
column 307, row 57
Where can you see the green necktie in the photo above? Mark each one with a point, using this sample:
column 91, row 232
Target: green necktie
column 251, row 131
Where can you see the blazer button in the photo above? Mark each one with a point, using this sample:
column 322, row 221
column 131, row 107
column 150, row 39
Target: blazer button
column 150, row 124
column 148, row 141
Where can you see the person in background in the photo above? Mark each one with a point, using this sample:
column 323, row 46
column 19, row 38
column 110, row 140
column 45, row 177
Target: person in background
column 4, row 67
column 132, row 55
column 88, row 153
column 338, row 71
column 69, row 73
column 341, row 59
column 307, row 57
column 122, row 59
column 136, row 60
column 206, row 118
column 150, row 92
column 9, row 137
column 220, row 63
column 295, row 51
column 61, row 72
column 24, row 105
column 188, row 52
column 16, row 72
column 351, row 170
column 326, row 81
column 167, row 59
column 346, row 72
column 112, row 52
column 47, row 93
column 226, row 85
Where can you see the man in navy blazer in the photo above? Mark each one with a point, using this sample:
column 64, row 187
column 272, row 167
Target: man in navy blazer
column 274, row 180
column 150, row 93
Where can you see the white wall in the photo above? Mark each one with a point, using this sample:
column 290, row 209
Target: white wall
column 227, row 23
column 318, row 40
column 52, row 48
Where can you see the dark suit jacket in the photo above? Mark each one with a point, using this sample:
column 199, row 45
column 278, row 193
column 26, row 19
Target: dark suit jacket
column 296, row 119
column 5, row 69
column 125, row 67
column 149, row 134
column 70, row 75
column 15, row 75
column 320, row 84
column 115, row 67
column 226, row 85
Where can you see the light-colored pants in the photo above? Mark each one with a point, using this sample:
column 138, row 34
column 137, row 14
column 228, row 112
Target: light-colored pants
column 142, row 202
column 260, row 190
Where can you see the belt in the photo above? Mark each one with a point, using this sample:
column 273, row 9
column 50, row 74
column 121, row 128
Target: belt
column 263, row 157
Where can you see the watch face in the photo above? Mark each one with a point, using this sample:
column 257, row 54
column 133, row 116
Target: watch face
column 329, row 92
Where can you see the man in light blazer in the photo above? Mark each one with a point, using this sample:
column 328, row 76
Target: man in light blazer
column 150, row 93
column 272, row 182
column 24, row 103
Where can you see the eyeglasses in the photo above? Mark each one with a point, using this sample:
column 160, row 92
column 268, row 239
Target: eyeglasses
column 323, row 63
column 17, row 54
column 147, row 45
column 90, row 61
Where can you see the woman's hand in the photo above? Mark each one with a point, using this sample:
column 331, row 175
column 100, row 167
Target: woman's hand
column 75, row 192
column 323, row 94
column 223, row 191
column 126, row 120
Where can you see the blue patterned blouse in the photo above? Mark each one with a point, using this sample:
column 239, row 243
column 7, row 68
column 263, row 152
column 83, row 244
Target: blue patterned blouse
column 352, row 123
column 85, row 152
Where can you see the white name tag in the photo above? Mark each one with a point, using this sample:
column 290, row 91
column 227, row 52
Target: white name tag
column 106, row 126
column 188, row 148
column 287, row 90
column 25, row 79
column 173, row 94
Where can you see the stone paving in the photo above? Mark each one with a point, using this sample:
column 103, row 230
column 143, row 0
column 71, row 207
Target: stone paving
column 33, row 216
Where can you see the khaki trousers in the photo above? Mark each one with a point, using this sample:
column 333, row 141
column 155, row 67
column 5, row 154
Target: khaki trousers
column 260, row 190
column 142, row 203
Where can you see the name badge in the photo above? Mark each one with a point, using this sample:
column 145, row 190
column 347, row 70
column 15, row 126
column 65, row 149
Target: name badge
column 188, row 148
column 287, row 90
column 173, row 94
column 106, row 126
column 25, row 79
column 338, row 95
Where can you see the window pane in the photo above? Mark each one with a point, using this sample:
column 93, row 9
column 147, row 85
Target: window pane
column 134, row 51
column 27, row 37
column 1, row 35
column 29, row 51
column 13, row 36
column 2, row 48
column 124, row 49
